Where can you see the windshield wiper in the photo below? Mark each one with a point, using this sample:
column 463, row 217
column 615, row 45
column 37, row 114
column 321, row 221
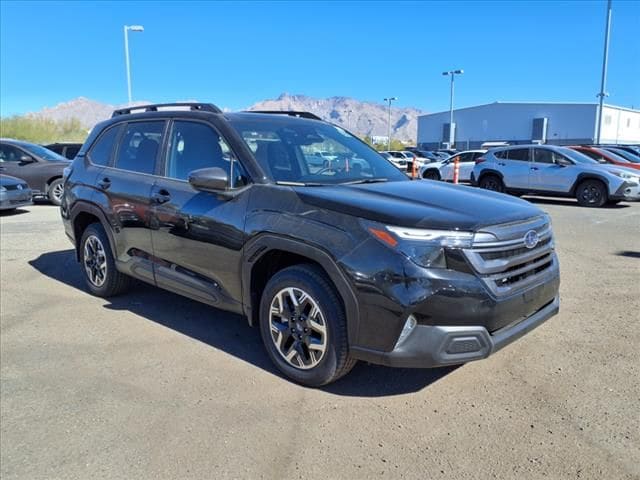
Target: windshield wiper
column 300, row 184
column 364, row 180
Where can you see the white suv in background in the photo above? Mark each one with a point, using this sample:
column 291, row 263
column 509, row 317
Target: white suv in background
column 444, row 170
column 555, row 171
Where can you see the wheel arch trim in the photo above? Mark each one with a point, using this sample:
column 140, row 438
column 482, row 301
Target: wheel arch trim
column 90, row 208
column 259, row 246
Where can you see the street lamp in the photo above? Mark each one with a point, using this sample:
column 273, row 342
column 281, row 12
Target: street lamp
column 453, row 74
column 603, row 83
column 389, row 100
column 133, row 28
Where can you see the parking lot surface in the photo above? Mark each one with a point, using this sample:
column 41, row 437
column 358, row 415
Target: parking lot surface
column 153, row 385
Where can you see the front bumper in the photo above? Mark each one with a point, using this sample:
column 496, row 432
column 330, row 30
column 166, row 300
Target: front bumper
column 629, row 191
column 429, row 346
column 15, row 199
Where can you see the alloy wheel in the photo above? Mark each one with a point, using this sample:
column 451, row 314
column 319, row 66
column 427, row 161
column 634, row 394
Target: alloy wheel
column 95, row 261
column 298, row 328
column 591, row 194
column 58, row 191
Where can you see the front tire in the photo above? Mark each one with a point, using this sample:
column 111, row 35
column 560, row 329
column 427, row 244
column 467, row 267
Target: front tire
column 98, row 265
column 55, row 191
column 303, row 326
column 591, row 193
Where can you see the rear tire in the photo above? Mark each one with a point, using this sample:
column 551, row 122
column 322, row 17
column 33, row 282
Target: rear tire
column 307, row 342
column 591, row 193
column 491, row 182
column 98, row 265
column 55, row 191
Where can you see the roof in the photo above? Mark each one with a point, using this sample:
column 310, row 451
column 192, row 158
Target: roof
column 499, row 102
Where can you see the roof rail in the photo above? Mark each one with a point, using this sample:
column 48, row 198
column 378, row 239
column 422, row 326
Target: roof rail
column 291, row 113
column 195, row 106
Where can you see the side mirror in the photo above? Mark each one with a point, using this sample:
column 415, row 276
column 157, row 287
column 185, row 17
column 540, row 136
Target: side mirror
column 26, row 159
column 563, row 162
column 212, row 179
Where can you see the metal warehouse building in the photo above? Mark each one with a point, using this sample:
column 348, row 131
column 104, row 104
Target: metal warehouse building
column 524, row 122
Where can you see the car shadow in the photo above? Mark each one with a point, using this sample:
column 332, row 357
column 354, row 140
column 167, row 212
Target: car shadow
column 569, row 202
column 628, row 253
column 13, row 212
column 231, row 333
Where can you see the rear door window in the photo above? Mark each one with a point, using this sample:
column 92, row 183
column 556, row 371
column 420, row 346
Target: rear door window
column 139, row 147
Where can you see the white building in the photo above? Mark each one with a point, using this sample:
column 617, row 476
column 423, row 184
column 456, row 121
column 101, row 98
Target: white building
column 524, row 122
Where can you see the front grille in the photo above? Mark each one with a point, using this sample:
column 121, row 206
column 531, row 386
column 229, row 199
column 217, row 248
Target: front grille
column 503, row 261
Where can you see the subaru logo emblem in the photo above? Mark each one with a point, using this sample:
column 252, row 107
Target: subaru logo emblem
column 531, row 239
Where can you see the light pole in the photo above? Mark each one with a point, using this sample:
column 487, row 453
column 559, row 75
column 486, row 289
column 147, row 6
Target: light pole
column 389, row 100
column 453, row 74
column 603, row 82
column 133, row 28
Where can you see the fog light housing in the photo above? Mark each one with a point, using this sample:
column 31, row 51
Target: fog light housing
column 409, row 325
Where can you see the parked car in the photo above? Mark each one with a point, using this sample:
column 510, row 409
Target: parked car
column 66, row 149
column 427, row 155
column 443, row 170
column 627, row 155
column 635, row 149
column 399, row 162
column 555, row 171
column 333, row 266
column 41, row 168
column 14, row 193
column 601, row 155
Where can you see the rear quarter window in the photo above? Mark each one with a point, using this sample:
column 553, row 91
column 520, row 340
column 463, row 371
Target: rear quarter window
column 102, row 149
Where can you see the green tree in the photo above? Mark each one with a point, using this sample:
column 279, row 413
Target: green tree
column 42, row 130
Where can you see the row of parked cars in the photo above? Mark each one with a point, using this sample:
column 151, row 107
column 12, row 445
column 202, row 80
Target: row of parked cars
column 594, row 174
column 29, row 170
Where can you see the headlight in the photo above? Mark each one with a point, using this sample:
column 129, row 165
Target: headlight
column 628, row 176
column 423, row 246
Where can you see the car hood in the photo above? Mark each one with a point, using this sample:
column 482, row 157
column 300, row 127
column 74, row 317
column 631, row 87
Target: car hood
column 618, row 169
column 421, row 203
column 9, row 180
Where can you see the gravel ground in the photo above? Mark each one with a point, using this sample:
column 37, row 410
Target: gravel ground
column 153, row 385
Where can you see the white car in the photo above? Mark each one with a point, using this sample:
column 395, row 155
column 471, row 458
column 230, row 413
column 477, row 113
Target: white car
column 444, row 170
column 398, row 160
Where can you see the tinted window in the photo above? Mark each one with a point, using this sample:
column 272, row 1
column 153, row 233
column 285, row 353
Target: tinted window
column 502, row 154
column 466, row 157
column 101, row 151
column 195, row 145
column 56, row 148
column 9, row 153
column 139, row 147
column 540, row 155
column 40, row 151
column 71, row 152
column 521, row 154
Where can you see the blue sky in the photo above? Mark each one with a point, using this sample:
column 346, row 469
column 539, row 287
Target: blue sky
column 235, row 54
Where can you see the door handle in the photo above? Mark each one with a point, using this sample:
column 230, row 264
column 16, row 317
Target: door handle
column 534, row 168
column 161, row 196
column 502, row 164
column 105, row 183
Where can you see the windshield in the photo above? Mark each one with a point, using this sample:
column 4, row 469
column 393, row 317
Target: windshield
column 43, row 153
column 288, row 150
column 577, row 156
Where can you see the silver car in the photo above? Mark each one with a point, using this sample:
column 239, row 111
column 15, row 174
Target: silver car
column 554, row 171
column 14, row 193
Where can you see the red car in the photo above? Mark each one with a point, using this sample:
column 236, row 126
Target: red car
column 601, row 155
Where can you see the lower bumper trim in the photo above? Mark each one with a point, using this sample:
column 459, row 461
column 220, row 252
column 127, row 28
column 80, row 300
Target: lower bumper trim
column 436, row 346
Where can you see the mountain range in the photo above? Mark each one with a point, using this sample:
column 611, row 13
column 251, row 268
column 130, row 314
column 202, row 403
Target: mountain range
column 363, row 118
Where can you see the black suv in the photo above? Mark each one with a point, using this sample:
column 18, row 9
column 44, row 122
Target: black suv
column 333, row 263
column 41, row 168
